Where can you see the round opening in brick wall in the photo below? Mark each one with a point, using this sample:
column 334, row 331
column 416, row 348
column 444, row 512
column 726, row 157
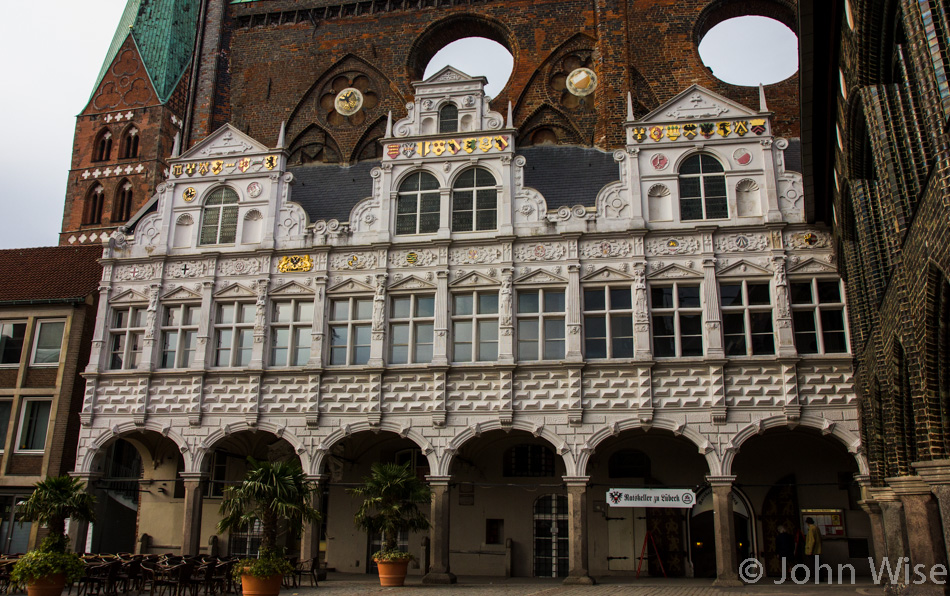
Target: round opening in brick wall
column 476, row 56
column 750, row 50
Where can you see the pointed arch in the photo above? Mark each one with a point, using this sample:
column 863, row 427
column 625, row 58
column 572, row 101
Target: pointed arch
column 122, row 202
column 368, row 147
column 129, row 143
column 313, row 144
column 546, row 120
column 92, row 206
column 453, row 28
column 102, row 145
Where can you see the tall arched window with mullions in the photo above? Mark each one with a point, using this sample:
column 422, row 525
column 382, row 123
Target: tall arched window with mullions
column 418, row 205
column 475, row 201
column 449, row 118
column 702, row 189
column 220, row 217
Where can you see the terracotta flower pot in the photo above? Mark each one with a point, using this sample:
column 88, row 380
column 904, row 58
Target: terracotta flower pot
column 261, row 586
column 51, row 585
column 392, row 573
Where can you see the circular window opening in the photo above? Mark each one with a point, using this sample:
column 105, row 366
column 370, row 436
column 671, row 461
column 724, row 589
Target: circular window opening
column 750, row 50
column 475, row 56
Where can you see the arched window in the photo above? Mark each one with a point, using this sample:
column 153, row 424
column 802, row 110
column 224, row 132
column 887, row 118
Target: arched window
column 92, row 210
column 102, row 149
column 449, row 118
column 220, row 217
column 122, row 205
column 130, row 144
column 418, row 205
column 702, row 189
column 475, row 201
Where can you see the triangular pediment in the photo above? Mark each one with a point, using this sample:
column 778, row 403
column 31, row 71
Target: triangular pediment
column 449, row 74
column 411, row 282
column 474, row 278
column 540, row 276
column 224, row 142
column 695, row 104
column 674, row 272
column 181, row 293
column 350, row 285
column 235, row 291
column 606, row 274
column 291, row 287
column 128, row 296
column 812, row 266
column 742, row 268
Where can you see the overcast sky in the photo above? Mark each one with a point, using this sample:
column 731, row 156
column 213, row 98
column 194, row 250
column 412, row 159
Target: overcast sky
column 49, row 74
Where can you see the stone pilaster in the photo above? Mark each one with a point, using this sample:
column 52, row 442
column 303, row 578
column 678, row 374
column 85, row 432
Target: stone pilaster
column 924, row 528
column 440, row 348
column 191, row 515
column 573, row 306
column 936, row 473
column 727, row 563
column 578, row 570
column 439, row 569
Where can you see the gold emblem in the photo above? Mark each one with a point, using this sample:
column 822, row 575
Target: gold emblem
column 581, row 82
column 411, row 258
column 348, row 102
column 270, row 162
column 217, row 166
column 189, row 194
column 295, row 263
column 178, row 169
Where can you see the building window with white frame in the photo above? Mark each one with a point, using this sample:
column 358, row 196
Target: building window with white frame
column 291, row 327
column 234, row 333
column 219, row 217
column 818, row 317
column 179, row 335
column 541, row 324
column 48, row 342
column 475, row 327
column 608, row 322
column 449, row 118
column 677, row 320
column 474, row 201
column 747, row 318
column 12, row 334
column 34, row 422
column 127, row 337
column 351, row 321
column 418, row 204
column 411, row 322
column 702, row 183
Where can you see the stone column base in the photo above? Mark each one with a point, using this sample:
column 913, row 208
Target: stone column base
column 439, row 578
column 579, row 580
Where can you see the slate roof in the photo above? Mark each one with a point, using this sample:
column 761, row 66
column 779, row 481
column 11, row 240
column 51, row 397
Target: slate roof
column 51, row 273
column 164, row 33
column 564, row 175
column 793, row 156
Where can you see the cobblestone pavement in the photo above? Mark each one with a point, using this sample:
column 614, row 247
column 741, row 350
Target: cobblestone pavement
column 339, row 584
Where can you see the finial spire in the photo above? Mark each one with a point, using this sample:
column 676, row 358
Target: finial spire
column 176, row 146
column 389, row 125
column 763, row 107
column 282, row 137
column 629, row 107
column 511, row 121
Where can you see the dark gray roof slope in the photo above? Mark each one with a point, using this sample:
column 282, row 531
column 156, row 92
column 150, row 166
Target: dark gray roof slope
column 330, row 192
column 793, row 156
column 568, row 175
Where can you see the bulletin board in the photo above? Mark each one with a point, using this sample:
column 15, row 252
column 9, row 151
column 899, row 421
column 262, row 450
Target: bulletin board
column 830, row 522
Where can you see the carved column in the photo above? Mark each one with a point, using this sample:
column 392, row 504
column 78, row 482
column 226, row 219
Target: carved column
column 204, row 354
column 319, row 322
column 260, row 325
column 439, row 536
column 440, row 349
column 79, row 531
column 782, row 313
column 505, row 197
column 573, row 306
column 506, row 322
column 924, row 527
column 378, row 344
column 711, row 310
column 191, row 518
column 578, row 571
column 641, row 313
column 727, row 561
column 148, row 361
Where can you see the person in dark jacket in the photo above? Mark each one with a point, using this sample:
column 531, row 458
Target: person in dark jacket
column 785, row 549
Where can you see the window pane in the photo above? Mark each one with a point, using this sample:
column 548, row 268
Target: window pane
column 229, row 218
column 761, row 322
column 224, row 348
column 173, row 316
column 488, row 330
column 527, row 302
column 364, row 309
column 620, row 299
column 247, row 312
column 829, row 291
column 487, row 304
column 361, row 335
column 759, row 294
column 11, row 342
column 595, row 299
column 714, row 186
column 595, row 347
column 663, row 325
column 735, row 345
column 401, row 334
column 168, row 349
column 621, row 326
column 692, row 346
column 691, row 325
column 242, row 356
column 690, row 166
column 283, row 312
column 806, row 343
column 553, row 329
column 427, row 182
column 832, row 320
column 733, row 323
column 301, row 346
column 462, row 331
column 730, row 294
column 428, row 223
column 553, row 301
column 49, row 341
column 622, row 347
column 710, row 164
column 304, row 312
column 5, row 409
column 463, row 352
column 338, row 335
column 424, row 333
column 462, row 221
column 462, row 304
column 528, row 329
column 401, row 308
column 339, row 310
column 689, row 188
column 225, row 314
column 688, row 296
column 400, row 354
column 487, row 350
column 763, row 345
column 595, row 326
column 553, row 349
column 804, row 320
column 35, row 423
column 425, row 306
column 801, row 293
column 664, row 347
column 462, row 200
column 716, row 208
column 406, row 224
column 190, row 340
column 486, row 220
column 423, row 353
column 661, row 297
column 834, row 342
column 691, row 209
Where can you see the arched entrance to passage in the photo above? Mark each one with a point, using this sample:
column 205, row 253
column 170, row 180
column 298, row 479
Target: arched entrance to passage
column 616, row 535
column 347, row 462
column 508, row 507
column 789, row 475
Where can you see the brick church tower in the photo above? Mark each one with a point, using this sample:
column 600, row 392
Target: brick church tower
column 127, row 129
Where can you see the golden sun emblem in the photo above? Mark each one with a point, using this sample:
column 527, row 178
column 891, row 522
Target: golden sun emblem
column 189, row 194
column 348, row 102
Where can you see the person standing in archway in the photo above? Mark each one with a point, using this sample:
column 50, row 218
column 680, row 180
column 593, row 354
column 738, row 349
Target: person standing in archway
column 813, row 545
column 785, row 549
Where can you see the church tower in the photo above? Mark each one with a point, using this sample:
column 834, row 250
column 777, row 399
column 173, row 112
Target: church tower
column 127, row 129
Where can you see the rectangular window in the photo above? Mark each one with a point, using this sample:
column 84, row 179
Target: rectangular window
column 234, row 332
column 291, row 326
column 11, row 341
column 818, row 317
column 608, row 322
column 350, row 330
column 411, row 329
column 677, row 320
column 541, row 325
column 475, row 327
column 179, row 335
column 48, row 342
column 6, row 408
column 33, row 425
column 126, row 337
column 219, row 474
column 747, row 318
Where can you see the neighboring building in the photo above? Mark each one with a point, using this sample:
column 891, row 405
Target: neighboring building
column 527, row 327
column 879, row 112
column 47, row 312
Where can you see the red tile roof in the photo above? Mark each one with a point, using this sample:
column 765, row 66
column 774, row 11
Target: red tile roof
column 49, row 273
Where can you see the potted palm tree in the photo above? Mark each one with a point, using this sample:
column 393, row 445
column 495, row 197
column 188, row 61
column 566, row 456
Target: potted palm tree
column 391, row 497
column 46, row 569
column 269, row 493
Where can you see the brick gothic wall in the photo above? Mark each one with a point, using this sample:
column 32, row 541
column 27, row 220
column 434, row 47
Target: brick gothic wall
column 267, row 62
column 892, row 226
